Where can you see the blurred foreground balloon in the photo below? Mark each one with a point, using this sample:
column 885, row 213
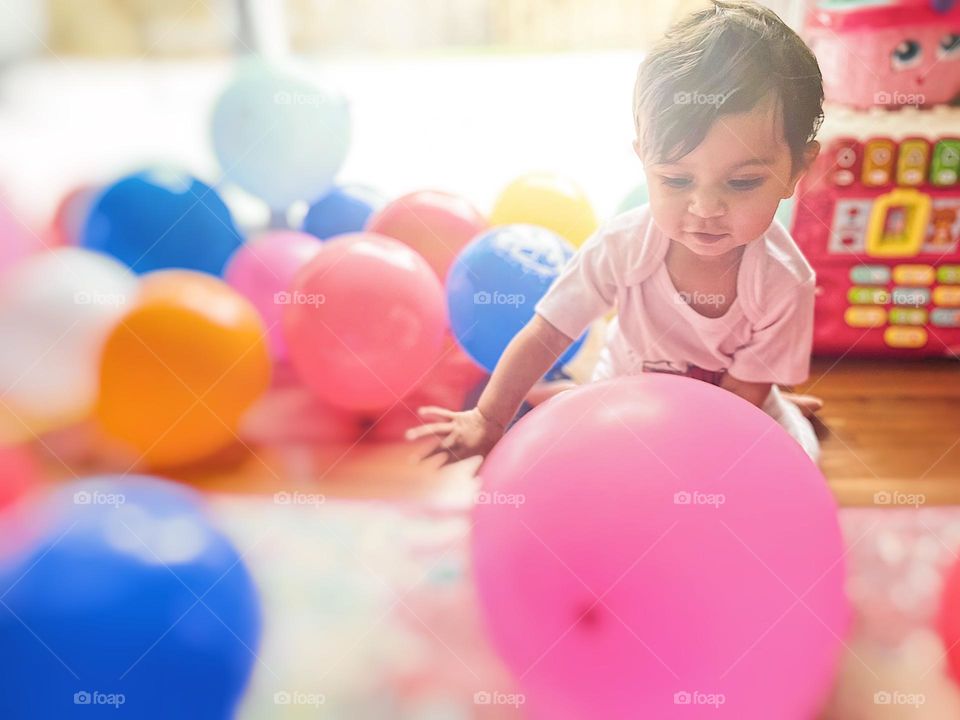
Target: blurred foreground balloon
column 634, row 560
column 128, row 600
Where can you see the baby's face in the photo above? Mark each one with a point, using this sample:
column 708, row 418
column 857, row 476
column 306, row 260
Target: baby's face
column 724, row 193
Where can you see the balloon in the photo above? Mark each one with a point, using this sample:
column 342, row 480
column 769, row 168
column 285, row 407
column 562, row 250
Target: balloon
column 640, row 195
column 56, row 309
column 129, row 600
column 262, row 272
column 549, row 201
column 184, row 364
column 948, row 622
column 16, row 240
column 71, row 215
column 160, row 219
column 278, row 136
column 365, row 322
column 435, row 224
column 18, row 472
column 656, row 541
column 345, row 209
column 495, row 283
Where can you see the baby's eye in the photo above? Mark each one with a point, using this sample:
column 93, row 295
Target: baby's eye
column 746, row 183
column 906, row 55
column 675, row 182
column 949, row 46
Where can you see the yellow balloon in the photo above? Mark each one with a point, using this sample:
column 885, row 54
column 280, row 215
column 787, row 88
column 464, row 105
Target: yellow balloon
column 181, row 367
column 548, row 200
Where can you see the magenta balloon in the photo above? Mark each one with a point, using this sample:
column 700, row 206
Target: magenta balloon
column 366, row 321
column 653, row 543
column 263, row 269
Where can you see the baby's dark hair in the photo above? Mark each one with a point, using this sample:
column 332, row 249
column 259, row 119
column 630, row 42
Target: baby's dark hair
column 724, row 60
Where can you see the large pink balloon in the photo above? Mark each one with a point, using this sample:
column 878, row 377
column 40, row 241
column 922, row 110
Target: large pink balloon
column 656, row 547
column 262, row 271
column 366, row 321
column 436, row 224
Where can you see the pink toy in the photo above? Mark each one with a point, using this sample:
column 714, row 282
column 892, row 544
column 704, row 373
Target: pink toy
column 887, row 52
column 652, row 543
column 262, row 271
column 365, row 322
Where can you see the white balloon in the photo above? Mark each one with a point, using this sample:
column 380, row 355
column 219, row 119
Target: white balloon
column 280, row 136
column 56, row 309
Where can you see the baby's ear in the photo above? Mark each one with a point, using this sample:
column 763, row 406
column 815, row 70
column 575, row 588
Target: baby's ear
column 810, row 153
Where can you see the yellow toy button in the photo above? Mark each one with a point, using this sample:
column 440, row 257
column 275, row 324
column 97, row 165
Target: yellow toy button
column 865, row 316
column 949, row 274
column 947, row 296
column 905, row 337
column 913, row 275
column 908, row 316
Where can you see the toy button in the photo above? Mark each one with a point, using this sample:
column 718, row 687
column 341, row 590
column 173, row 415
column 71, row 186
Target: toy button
column 868, row 296
column 905, row 337
column 873, row 274
column 865, row 316
column 949, row 274
column 913, row 275
column 945, row 317
column 911, row 296
column 946, row 296
column 908, row 316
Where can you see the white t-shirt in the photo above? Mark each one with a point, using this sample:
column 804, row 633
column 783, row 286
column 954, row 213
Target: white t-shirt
column 765, row 335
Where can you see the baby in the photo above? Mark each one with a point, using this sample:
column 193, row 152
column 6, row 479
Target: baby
column 704, row 281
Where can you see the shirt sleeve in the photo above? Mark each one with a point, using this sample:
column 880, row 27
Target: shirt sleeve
column 585, row 289
column 779, row 349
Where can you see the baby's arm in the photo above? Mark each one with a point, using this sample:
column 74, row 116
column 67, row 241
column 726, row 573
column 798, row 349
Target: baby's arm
column 474, row 432
column 754, row 392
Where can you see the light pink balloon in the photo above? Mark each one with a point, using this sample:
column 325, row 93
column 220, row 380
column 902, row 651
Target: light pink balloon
column 263, row 269
column 366, row 322
column 16, row 241
column 656, row 547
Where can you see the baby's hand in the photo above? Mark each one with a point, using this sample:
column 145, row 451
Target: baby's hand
column 462, row 434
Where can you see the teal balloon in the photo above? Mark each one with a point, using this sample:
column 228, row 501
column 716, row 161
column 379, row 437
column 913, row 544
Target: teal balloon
column 635, row 198
column 785, row 212
column 278, row 135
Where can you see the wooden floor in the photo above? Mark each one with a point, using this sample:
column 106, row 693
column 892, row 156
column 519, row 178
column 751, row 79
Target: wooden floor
column 890, row 426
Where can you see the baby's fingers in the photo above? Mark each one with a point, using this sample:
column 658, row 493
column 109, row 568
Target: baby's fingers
column 436, row 411
column 428, row 429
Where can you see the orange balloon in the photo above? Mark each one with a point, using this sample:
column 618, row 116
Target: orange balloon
column 436, row 224
column 181, row 367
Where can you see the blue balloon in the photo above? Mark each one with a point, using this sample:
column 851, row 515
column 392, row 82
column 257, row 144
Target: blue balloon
column 496, row 281
column 345, row 209
column 159, row 219
column 129, row 600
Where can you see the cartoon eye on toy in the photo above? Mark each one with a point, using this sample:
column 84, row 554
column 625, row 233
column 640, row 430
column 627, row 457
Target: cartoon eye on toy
column 906, row 55
column 949, row 47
